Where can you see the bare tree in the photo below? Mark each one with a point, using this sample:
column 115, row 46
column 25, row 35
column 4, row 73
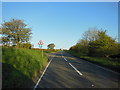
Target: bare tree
column 91, row 34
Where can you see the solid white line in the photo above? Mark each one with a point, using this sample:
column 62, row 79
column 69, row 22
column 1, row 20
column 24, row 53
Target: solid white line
column 76, row 69
column 42, row 74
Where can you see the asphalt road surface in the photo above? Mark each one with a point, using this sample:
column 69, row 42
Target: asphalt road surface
column 66, row 71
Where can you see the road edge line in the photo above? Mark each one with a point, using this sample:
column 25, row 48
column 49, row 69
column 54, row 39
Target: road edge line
column 43, row 73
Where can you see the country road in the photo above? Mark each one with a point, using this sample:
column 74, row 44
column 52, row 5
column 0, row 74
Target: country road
column 66, row 71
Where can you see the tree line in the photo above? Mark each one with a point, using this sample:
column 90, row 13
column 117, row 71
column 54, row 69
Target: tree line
column 96, row 42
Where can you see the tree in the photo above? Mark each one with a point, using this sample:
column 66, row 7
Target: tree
column 96, row 43
column 15, row 32
column 51, row 46
column 91, row 34
column 103, row 46
column 82, row 45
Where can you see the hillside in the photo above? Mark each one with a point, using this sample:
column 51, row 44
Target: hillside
column 20, row 66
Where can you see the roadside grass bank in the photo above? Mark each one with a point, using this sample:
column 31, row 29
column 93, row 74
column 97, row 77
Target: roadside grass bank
column 47, row 50
column 110, row 63
column 21, row 66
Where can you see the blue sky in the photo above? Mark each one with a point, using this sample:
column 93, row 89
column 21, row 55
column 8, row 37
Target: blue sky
column 60, row 0
column 63, row 23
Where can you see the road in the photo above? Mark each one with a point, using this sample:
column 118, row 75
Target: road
column 66, row 71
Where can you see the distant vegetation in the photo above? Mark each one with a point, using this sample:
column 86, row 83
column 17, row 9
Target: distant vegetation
column 51, row 46
column 47, row 50
column 98, row 47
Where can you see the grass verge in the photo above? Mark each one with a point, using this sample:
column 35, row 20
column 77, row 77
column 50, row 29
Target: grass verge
column 47, row 50
column 105, row 62
column 21, row 66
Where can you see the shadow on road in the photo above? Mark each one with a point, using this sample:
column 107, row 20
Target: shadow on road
column 100, row 76
column 60, row 74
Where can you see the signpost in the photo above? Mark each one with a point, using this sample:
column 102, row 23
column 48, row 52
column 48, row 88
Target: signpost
column 40, row 43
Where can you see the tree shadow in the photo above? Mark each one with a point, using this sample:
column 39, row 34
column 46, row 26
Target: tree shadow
column 12, row 78
column 94, row 73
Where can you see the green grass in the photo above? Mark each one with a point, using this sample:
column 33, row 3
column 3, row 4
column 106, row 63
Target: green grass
column 47, row 50
column 106, row 62
column 51, row 51
column 20, row 66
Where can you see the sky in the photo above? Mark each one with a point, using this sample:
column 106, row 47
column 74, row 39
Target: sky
column 63, row 23
column 60, row 0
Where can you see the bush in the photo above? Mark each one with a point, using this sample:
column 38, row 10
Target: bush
column 100, row 45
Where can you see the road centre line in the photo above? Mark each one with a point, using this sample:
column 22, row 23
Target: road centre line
column 76, row 69
column 64, row 58
column 72, row 66
column 43, row 73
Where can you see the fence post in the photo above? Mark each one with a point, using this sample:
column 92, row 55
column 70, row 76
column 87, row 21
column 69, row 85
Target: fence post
column 42, row 53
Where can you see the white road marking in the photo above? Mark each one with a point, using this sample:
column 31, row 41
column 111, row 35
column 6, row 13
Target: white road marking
column 104, row 68
column 42, row 74
column 72, row 66
column 76, row 69
column 63, row 57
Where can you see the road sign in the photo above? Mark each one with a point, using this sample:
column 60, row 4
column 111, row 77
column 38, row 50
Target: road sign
column 40, row 42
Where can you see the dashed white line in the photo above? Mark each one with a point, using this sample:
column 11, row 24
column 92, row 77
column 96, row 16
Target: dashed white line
column 72, row 66
column 65, row 58
column 76, row 69
column 42, row 74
